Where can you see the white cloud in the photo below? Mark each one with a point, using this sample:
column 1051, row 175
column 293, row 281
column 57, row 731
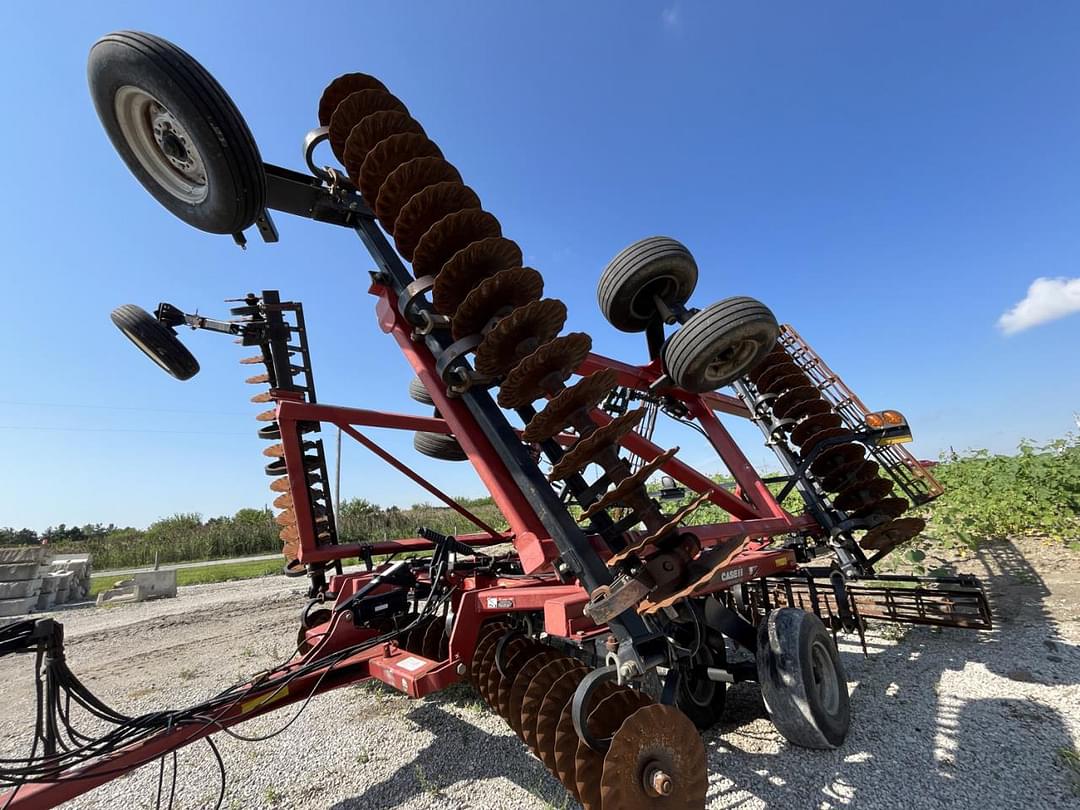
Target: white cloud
column 671, row 16
column 1047, row 300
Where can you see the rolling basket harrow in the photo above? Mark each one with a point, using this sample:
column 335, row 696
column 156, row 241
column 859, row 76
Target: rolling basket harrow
column 598, row 625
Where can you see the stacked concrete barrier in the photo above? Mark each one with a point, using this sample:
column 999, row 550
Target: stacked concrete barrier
column 20, row 579
column 29, row 581
column 78, row 567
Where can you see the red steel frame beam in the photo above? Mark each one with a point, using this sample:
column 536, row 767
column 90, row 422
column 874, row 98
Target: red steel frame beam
column 757, row 512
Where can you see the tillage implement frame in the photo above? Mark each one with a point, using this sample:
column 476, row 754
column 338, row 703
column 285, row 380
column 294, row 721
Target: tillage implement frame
column 603, row 626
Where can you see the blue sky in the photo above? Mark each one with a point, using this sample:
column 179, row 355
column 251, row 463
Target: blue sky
column 890, row 178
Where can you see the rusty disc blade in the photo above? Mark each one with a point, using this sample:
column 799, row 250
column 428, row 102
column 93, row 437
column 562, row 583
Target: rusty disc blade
column 564, row 749
column 814, row 424
column 810, row 407
column 585, row 394
column 545, row 370
column 497, row 294
column 274, row 451
column 516, row 652
column 885, row 509
column 669, row 526
column 280, row 485
column 427, row 207
column 551, row 707
column 525, row 712
column 408, row 179
column 519, row 334
column 836, row 457
column 353, row 109
column 258, row 379
column 521, row 683
column 788, row 382
column 774, row 373
column 251, row 361
column 290, row 534
column 629, row 484
column 283, row 501
column 490, row 676
column 512, row 665
column 589, row 447
column 489, row 635
column 264, row 396
column 808, row 446
column 787, row 402
column 429, row 647
column 776, row 356
column 890, row 535
column 469, row 266
column 604, row 721
column 374, row 128
column 386, row 156
column 862, row 494
column 341, row 87
column 700, row 576
column 286, row 518
column 656, row 762
column 414, row 639
column 856, row 472
column 449, row 235
column 267, row 416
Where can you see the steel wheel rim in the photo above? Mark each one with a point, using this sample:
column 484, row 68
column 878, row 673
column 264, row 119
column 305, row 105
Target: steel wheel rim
column 161, row 144
column 823, row 672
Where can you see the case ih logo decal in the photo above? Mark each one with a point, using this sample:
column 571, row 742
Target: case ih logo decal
column 742, row 572
column 495, row 603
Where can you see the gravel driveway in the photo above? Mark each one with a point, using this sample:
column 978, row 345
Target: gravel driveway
column 945, row 719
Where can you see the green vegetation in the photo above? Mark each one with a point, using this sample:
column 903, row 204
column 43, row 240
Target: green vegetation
column 1033, row 493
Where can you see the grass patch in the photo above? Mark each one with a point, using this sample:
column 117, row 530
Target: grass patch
column 204, row 574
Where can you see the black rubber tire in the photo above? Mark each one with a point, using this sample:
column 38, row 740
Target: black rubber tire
column 235, row 180
column 156, row 341
column 743, row 328
column 802, row 680
column 702, row 700
column 419, row 392
column 658, row 265
column 439, row 445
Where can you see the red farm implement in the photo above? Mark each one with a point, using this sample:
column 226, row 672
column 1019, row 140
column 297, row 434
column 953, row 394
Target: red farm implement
column 601, row 624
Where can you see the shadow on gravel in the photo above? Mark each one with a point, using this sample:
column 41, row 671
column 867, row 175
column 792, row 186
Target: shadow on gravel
column 460, row 752
column 915, row 741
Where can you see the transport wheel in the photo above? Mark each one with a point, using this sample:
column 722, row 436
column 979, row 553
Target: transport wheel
column 177, row 130
column 701, row 699
column 440, row 446
column 156, row 341
column 419, row 392
column 657, row 266
column 719, row 344
column 802, row 680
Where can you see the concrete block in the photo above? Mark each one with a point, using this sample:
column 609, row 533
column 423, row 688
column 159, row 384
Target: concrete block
column 17, row 607
column 49, row 583
column 155, row 585
column 63, row 586
column 20, row 590
column 15, row 572
column 23, row 554
column 45, row 600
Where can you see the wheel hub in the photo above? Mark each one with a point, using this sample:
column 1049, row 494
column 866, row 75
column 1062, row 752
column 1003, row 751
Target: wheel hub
column 161, row 144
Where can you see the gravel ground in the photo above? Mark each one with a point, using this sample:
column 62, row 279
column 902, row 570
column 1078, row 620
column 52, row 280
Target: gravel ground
column 946, row 719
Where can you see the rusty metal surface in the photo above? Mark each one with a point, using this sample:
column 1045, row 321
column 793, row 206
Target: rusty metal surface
column 655, row 738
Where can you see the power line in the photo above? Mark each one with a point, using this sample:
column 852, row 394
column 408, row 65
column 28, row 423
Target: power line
column 118, row 408
column 121, row 430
